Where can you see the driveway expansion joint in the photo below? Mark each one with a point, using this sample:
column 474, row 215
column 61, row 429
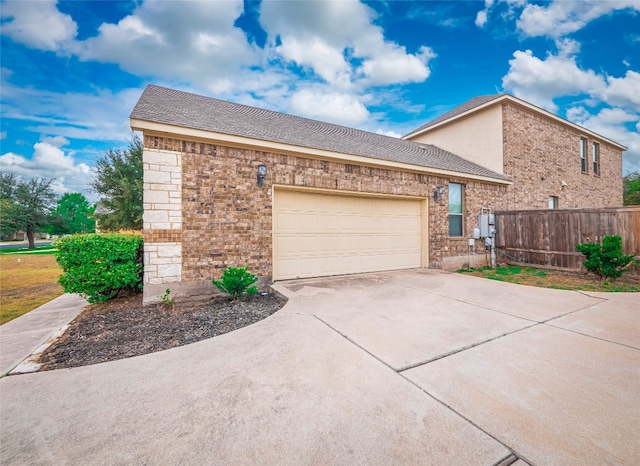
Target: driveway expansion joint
column 355, row 343
column 513, row 453
column 473, row 345
column 592, row 336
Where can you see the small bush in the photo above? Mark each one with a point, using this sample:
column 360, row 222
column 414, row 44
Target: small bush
column 606, row 260
column 100, row 266
column 237, row 282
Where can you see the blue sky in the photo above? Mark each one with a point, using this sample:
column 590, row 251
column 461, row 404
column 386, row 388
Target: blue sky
column 73, row 70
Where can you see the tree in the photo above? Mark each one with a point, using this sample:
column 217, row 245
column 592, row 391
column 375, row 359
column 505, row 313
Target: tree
column 631, row 193
column 28, row 204
column 72, row 215
column 118, row 180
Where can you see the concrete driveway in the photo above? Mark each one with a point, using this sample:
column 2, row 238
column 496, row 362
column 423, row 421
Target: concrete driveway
column 412, row 367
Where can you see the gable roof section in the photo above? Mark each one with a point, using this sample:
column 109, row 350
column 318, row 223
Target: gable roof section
column 484, row 101
column 459, row 110
column 182, row 109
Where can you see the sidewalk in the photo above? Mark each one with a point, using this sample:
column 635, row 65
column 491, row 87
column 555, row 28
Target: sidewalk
column 21, row 336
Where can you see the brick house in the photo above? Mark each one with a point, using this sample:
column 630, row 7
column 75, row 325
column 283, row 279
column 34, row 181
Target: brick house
column 232, row 185
column 552, row 162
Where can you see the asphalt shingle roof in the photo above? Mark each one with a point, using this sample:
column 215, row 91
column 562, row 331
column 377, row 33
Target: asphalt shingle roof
column 460, row 109
column 169, row 106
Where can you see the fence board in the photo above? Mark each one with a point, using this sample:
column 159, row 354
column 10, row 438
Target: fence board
column 549, row 237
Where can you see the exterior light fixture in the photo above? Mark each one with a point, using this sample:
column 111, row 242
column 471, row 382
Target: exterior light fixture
column 262, row 173
column 437, row 193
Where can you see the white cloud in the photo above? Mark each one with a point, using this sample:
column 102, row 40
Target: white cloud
column 315, row 53
column 624, row 91
column 339, row 108
column 560, row 18
column 390, row 133
column 481, row 18
column 192, row 41
column 49, row 161
column 540, row 81
column 55, row 141
column 338, row 41
column 394, row 66
column 37, row 24
column 102, row 115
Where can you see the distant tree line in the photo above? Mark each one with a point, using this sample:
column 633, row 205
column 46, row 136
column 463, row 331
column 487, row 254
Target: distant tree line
column 33, row 207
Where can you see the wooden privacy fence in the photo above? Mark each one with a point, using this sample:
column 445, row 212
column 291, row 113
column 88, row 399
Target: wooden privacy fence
column 549, row 237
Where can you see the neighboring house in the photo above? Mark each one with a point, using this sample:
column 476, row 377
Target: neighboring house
column 232, row 185
column 552, row 162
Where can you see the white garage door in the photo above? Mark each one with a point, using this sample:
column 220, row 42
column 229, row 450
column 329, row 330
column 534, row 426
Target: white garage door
column 318, row 235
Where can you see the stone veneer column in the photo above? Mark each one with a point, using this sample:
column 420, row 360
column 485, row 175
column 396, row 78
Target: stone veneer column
column 162, row 221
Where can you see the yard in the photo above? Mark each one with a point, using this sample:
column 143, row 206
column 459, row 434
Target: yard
column 553, row 279
column 26, row 282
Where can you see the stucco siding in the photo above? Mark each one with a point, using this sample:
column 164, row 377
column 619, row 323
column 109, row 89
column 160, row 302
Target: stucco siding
column 477, row 138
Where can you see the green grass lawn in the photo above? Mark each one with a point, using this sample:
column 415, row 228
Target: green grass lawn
column 25, row 250
column 552, row 279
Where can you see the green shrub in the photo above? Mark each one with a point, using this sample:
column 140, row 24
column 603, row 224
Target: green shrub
column 100, row 266
column 237, row 282
column 606, row 260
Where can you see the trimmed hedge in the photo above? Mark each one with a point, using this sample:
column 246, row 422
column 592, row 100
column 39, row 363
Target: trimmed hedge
column 98, row 266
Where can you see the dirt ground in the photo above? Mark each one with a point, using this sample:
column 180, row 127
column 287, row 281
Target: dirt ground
column 122, row 327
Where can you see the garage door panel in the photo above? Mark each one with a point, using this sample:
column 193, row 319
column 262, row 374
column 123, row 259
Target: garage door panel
column 320, row 234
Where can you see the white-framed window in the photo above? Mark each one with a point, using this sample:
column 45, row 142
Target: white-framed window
column 553, row 202
column 595, row 153
column 456, row 209
column 583, row 154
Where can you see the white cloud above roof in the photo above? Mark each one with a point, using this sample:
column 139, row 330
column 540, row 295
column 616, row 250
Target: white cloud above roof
column 339, row 41
column 539, row 81
column 560, row 18
column 188, row 41
column 37, row 24
column 340, row 108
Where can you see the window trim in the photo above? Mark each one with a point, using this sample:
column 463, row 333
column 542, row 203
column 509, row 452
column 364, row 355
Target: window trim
column 554, row 202
column 584, row 150
column 595, row 155
column 457, row 214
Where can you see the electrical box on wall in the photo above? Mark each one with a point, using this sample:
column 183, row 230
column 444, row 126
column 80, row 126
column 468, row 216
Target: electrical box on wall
column 483, row 225
column 486, row 225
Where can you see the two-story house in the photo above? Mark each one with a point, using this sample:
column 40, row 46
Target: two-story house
column 552, row 162
column 289, row 197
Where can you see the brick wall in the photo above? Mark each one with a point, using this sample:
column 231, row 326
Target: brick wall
column 226, row 218
column 540, row 153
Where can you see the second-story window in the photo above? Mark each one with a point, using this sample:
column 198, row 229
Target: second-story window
column 583, row 154
column 595, row 149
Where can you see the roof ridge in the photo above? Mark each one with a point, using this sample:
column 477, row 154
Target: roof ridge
column 275, row 112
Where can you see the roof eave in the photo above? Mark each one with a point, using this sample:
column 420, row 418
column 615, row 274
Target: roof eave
column 251, row 143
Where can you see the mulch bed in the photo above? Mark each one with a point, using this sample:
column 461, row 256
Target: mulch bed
column 122, row 328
